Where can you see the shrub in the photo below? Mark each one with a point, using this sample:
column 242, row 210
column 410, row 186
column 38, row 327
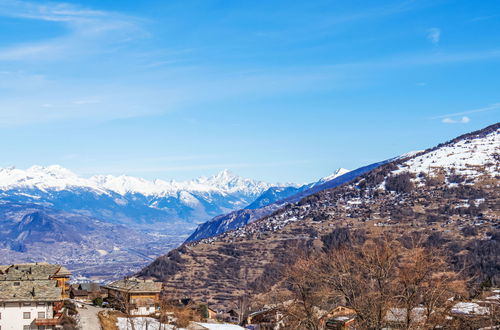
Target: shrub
column 97, row 301
column 469, row 231
column 400, row 183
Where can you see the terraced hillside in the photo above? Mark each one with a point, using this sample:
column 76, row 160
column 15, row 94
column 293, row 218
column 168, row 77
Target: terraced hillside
column 447, row 196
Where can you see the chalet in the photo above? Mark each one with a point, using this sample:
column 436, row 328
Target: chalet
column 231, row 316
column 266, row 319
column 339, row 318
column 32, row 295
column 86, row 292
column 135, row 296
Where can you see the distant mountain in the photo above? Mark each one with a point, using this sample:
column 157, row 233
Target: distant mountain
column 275, row 194
column 445, row 197
column 126, row 199
column 45, row 206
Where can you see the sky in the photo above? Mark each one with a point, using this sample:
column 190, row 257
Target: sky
column 281, row 91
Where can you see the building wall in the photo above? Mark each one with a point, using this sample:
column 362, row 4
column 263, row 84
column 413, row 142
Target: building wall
column 143, row 310
column 63, row 283
column 12, row 315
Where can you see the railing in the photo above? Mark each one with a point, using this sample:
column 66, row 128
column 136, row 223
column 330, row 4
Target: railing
column 55, row 321
column 58, row 306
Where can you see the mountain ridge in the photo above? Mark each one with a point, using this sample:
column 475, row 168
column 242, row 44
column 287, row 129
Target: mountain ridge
column 454, row 206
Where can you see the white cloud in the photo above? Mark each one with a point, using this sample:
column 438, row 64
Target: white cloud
column 87, row 30
column 434, row 35
column 449, row 120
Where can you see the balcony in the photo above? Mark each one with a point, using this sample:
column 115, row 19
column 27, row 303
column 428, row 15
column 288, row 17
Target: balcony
column 55, row 321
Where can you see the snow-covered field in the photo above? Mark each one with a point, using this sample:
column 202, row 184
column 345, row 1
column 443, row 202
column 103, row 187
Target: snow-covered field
column 465, row 157
column 142, row 323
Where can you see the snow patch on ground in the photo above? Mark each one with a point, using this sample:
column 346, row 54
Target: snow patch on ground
column 142, row 323
column 465, row 157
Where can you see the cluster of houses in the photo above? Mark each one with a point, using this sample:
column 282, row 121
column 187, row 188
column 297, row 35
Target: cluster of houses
column 32, row 296
column 483, row 313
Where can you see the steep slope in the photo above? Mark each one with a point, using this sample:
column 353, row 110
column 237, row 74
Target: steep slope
column 237, row 219
column 447, row 196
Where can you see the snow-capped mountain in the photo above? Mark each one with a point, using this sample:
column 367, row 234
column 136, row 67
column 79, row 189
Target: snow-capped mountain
column 336, row 174
column 273, row 199
column 42, row 208
column 57, row 178
column 126, row 199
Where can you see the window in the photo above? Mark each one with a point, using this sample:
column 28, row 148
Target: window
column 26, row 327
column 17, row 283
column 41, row 304
column 41, row 315
column 26, row 315
column 26, row 304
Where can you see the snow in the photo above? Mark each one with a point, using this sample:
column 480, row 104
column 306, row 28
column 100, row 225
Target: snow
column 469, row 308
column 57, row 178
column 339, row 172
column 102, row 252
column 217, row 326
column 142, row 323
column 149, row 323
column 464, row 157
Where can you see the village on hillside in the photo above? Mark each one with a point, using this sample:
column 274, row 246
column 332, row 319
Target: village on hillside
column 41, row 296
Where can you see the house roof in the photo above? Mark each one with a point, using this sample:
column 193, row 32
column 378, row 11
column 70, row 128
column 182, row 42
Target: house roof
column 135, row 285
column 32, row 271
column 469, row 308
column 80, row 293
column 399, row 314
column 33, row 290
column 92, row 287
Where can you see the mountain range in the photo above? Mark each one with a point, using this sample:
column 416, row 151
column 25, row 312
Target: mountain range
column 446, row 196
column 106, row 226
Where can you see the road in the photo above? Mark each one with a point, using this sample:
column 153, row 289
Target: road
column 88, row 317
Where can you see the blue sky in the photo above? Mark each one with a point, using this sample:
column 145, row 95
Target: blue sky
column 274, row 90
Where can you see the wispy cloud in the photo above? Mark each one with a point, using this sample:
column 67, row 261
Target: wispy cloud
column 434, row 35
column 463, row 117
column 463, row 120
column 86, row 30
column 491, row 107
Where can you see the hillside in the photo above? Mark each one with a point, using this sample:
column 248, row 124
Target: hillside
column 271, row 200
column 446, row 196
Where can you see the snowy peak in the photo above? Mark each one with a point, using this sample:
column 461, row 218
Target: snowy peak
column 227, row 181
column 336, row 174
column 59, row 178
column 41, row 177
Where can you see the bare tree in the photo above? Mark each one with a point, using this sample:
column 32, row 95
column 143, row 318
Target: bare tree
column 301, row 310
column 373, row 278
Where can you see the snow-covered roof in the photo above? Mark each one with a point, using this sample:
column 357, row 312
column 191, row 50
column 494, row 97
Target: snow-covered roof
column 469, row 308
